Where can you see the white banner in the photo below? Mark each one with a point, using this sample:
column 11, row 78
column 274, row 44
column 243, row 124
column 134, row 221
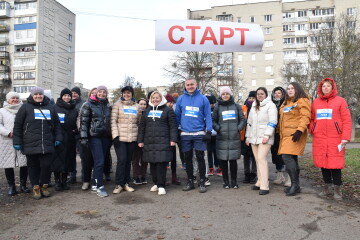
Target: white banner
column 207, row 36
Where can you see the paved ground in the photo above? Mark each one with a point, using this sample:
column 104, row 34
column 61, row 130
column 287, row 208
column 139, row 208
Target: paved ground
column 218, row 214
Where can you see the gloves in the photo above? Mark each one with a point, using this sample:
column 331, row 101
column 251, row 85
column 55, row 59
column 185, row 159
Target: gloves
column 296, row 136
column 207, row 137
column 57, row 143
column 18, row 147
column 116, row 142
column 84, row 142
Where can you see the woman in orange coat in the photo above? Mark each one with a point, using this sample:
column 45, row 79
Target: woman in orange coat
column 331, row 128
column 294, row 120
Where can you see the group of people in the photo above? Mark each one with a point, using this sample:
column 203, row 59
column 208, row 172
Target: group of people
column 44, row 137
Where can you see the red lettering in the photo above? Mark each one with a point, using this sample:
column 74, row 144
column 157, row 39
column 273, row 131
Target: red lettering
column 223, row 35
column 170, row 34
column 242, row 34
column 212, row 37
column 193, row 30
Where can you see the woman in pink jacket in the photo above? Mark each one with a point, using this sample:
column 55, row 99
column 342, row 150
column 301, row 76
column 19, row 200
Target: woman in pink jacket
column 331, row 128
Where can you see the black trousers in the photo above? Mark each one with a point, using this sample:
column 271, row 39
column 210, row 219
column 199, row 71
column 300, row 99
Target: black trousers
column 291, row 161
column 87, row 162
column 225, row 169
column 173, row 162
column 124, row 153
column 200, row 157
column 10, row 175
column 332, row 176
column 158, row 173
column 39, row 168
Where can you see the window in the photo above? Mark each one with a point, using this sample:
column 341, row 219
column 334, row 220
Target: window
column 269, row 56
column 288, row 40
column 301, row 53
column 69, row 61
column 24, row 75
column 351, row 11
column 224, row 18
column 22, row 34
column 269, row 69
column 239, row 19
column 268, row 18
column 23, row 6
column 351, row 24
column 301, row 13
column 288, row 15
column 268, row 30
column 301, row 27
column 3, row 5
column 70, row 25
column 253, row 57
column 314, row 26
column 328, row 25
column 313, row 39
column 253, row 69
column 268, row 43
column 69, row 49
column 301, row 40
column 289, row 54
column 240, row 58
column 241, row 71
column 253, row 83
column 70, row 38
column 23, row 20
column 23, row 89
column 269, row 82
column 24, row 61
column 69, row 73
column 252, row 19
column 287, row 28
column 322, row 12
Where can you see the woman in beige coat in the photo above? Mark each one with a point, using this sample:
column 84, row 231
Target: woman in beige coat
column 261, row 125
column 125, row 117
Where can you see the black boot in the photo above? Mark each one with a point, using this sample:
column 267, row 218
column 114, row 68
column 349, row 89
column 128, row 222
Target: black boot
column 294, row 189
column 202, row 187
column 58, row 186
column 12, row 189
column 189, row 186
column 23, row 187
column 246, row 178
column 64, row 183
column 253, row 178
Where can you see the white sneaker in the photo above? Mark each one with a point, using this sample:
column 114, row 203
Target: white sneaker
column 280, row 179
column 117, row 189
column 128, row 189
column 94, row 189
column 85, row 186
column 288, row 182
column 161, row 191
column 154, row 189
column 207, row 182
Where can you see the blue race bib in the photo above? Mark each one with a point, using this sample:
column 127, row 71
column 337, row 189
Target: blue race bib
column 129, row 110
column 191, row 111
column 228, row 115
column 323, row 114
column 154, row 113
column 61, row 117
column 39, row 115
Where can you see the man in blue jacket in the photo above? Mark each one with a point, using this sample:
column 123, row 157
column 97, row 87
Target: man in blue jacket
column 193, row 114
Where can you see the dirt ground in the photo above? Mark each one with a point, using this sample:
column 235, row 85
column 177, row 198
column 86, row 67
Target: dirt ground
column 218, row 214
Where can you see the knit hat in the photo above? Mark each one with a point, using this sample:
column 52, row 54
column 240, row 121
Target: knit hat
column 225, row 89
column 252, row 94
column 35, row 90
column 65, row 91
column 12, row 94
column 127, row 88
column 77, row 90
column 102, row 87
column 211, row 98
column 169, row 98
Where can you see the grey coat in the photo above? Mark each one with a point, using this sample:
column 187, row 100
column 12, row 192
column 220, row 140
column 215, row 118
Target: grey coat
column 228, row 121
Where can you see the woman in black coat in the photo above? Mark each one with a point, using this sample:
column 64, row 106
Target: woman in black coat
column 37, row 133
column 65, row 156
column 157, row 135
column 228, row 121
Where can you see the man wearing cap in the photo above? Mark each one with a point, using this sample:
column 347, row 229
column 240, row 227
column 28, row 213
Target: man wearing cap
column 193, row 114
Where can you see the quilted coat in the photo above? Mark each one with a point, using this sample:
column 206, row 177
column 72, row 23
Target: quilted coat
column 125, row 119
column 9, row 157
column 330, row 123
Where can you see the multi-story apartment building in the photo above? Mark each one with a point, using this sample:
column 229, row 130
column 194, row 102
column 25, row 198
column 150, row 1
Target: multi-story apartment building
column 37, row 44
column 287, row 26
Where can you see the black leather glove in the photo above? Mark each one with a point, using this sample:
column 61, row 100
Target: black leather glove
column 116, row 142
column 207, row 137
column 296, row 136
column 84, row 142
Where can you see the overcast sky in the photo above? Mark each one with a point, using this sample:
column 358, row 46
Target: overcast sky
column 110, row 48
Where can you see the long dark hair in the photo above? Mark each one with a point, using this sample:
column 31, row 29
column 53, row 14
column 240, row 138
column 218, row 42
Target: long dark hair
column 299, row 92
column 257, row 101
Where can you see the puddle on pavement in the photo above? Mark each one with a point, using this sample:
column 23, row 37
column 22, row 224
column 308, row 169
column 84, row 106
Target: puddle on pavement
column 66, row 226
column 132, row 199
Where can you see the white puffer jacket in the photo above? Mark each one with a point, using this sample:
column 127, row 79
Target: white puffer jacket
column 262, row 123
column 10, row 158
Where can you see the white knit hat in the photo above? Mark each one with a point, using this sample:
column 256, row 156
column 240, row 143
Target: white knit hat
column 225, row 89
column 12, row 94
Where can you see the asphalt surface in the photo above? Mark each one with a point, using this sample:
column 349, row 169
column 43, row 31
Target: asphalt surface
column 218, row 214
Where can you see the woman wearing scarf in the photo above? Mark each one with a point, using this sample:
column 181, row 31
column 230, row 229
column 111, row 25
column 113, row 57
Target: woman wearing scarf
column 11, row 158
column 157, row 135
column 65, row 156
column 95, row 133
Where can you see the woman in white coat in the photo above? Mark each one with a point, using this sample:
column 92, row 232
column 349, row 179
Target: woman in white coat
column 11, row 158
column 261, row 125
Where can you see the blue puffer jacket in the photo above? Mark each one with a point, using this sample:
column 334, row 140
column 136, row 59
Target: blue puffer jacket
column 193, row 112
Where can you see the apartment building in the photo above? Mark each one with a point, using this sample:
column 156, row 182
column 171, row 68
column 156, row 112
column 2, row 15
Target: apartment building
column 287, row 26
column 37, row 44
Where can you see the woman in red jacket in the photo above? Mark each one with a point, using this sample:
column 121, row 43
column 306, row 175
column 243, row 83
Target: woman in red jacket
column 331, row 128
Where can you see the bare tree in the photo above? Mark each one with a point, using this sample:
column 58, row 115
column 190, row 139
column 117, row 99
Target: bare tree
column 5, row 87
column 130, row 81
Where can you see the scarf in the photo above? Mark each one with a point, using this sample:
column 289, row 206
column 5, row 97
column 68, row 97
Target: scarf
column 12, row 108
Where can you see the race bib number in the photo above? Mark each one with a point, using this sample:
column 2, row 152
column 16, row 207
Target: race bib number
column 61, row 117
column 130, row 110
column 288, row 109
column 228, row 115
column 39, row 115
column 155, row 114
column 323, row 114
column 191, row 111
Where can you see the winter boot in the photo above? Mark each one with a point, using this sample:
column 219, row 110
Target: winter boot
column 175, row 180
column 287, row 182
column 189, row 186
column 45, row 191
column 37, row 193
column 23, row 187
column 253, row 178
column 294, row 189
column 280, row 179
column 327, row 190
column 246, row 178
column 202, row 187
column 12, row 189
column 337, row 192
column 64, row 183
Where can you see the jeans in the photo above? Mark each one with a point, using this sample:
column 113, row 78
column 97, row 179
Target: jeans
column 39, row 168
column 332, row 176
column 158, row 173
column 124, row 153
column 200, row 157
column 99, row 149
column 211, row 153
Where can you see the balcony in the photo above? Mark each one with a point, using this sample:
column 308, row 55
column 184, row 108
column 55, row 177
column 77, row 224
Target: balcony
column 4, row 55
column 25, row 54
column 295, row 20
column 4, row 27
column 4, row 69
column 5, row 77
column 24, row 68
column 4, row 10
column 4, row 41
